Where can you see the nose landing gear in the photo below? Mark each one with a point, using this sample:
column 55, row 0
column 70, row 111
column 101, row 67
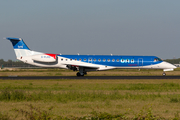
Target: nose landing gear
column 164, row 74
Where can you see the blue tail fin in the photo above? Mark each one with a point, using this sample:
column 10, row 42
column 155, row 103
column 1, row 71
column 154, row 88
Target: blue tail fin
column 20, row 48
column 18, row 43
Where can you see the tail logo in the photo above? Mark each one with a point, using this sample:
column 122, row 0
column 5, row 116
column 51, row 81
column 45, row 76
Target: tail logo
column 20, row 47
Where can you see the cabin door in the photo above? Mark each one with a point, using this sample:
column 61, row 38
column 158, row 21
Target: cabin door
column 140, row 62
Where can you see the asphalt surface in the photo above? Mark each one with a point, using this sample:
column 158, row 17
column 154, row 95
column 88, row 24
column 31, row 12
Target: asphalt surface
column 86, row 77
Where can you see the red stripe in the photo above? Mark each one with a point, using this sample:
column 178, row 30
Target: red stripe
column 52, row 55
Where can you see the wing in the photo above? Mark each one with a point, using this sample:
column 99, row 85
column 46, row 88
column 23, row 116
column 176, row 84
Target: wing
column 87, row 67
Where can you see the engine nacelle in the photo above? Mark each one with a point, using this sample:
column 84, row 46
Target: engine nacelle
column 45, row 58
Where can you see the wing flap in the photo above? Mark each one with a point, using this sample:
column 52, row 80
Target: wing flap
column 87, row 66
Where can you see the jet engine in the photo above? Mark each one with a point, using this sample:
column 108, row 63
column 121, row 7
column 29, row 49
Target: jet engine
column 45, row 58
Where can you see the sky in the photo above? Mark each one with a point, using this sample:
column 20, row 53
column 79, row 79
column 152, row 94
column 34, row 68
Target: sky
column 102, row 27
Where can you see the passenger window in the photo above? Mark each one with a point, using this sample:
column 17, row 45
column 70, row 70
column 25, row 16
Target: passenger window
column 122, row 60
column 84, row 59
column 108, row 60
column 80, row 59
column 94, row 60
column 104, row 60
column 113, row 60
column 75, row 59
column 117, row 60
column 90, row 59
column 99, row 60
column 61, row 59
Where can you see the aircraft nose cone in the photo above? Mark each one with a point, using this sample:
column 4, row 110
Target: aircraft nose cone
column 174, row 67
column 169, row 65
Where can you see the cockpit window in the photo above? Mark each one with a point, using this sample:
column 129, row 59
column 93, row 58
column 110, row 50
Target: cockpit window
column 157, row 59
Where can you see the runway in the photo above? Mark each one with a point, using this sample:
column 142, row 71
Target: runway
column 85, row 77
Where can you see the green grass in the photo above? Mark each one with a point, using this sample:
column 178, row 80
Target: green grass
column 35, row 113
column 56, row 86
column 80, row 98
column 73, row 95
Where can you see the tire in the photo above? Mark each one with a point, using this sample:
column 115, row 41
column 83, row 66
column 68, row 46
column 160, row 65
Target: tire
column 78, row 74
column 164, row 74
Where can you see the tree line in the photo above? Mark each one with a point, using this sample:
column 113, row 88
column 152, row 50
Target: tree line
column 11, row 63
column 173, row 61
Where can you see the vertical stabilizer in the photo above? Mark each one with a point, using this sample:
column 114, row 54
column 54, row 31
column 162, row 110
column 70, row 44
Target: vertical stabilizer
column 20, row 48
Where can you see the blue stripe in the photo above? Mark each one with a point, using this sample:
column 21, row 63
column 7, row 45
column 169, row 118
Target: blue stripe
column 116, row 61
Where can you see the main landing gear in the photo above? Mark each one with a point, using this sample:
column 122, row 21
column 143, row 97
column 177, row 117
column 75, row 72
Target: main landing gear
column 81, row 74
column 164, row 74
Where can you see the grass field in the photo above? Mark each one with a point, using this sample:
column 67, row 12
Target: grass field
column 81, row 97
column 78, row 98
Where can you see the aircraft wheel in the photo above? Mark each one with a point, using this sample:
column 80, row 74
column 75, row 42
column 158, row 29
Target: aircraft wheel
column 79, row 74
column 164, row 74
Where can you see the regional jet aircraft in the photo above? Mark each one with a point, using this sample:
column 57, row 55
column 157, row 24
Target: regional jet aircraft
column 86, row 63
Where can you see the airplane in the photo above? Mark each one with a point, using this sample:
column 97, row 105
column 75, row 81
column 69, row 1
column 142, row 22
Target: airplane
column 86, row 63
